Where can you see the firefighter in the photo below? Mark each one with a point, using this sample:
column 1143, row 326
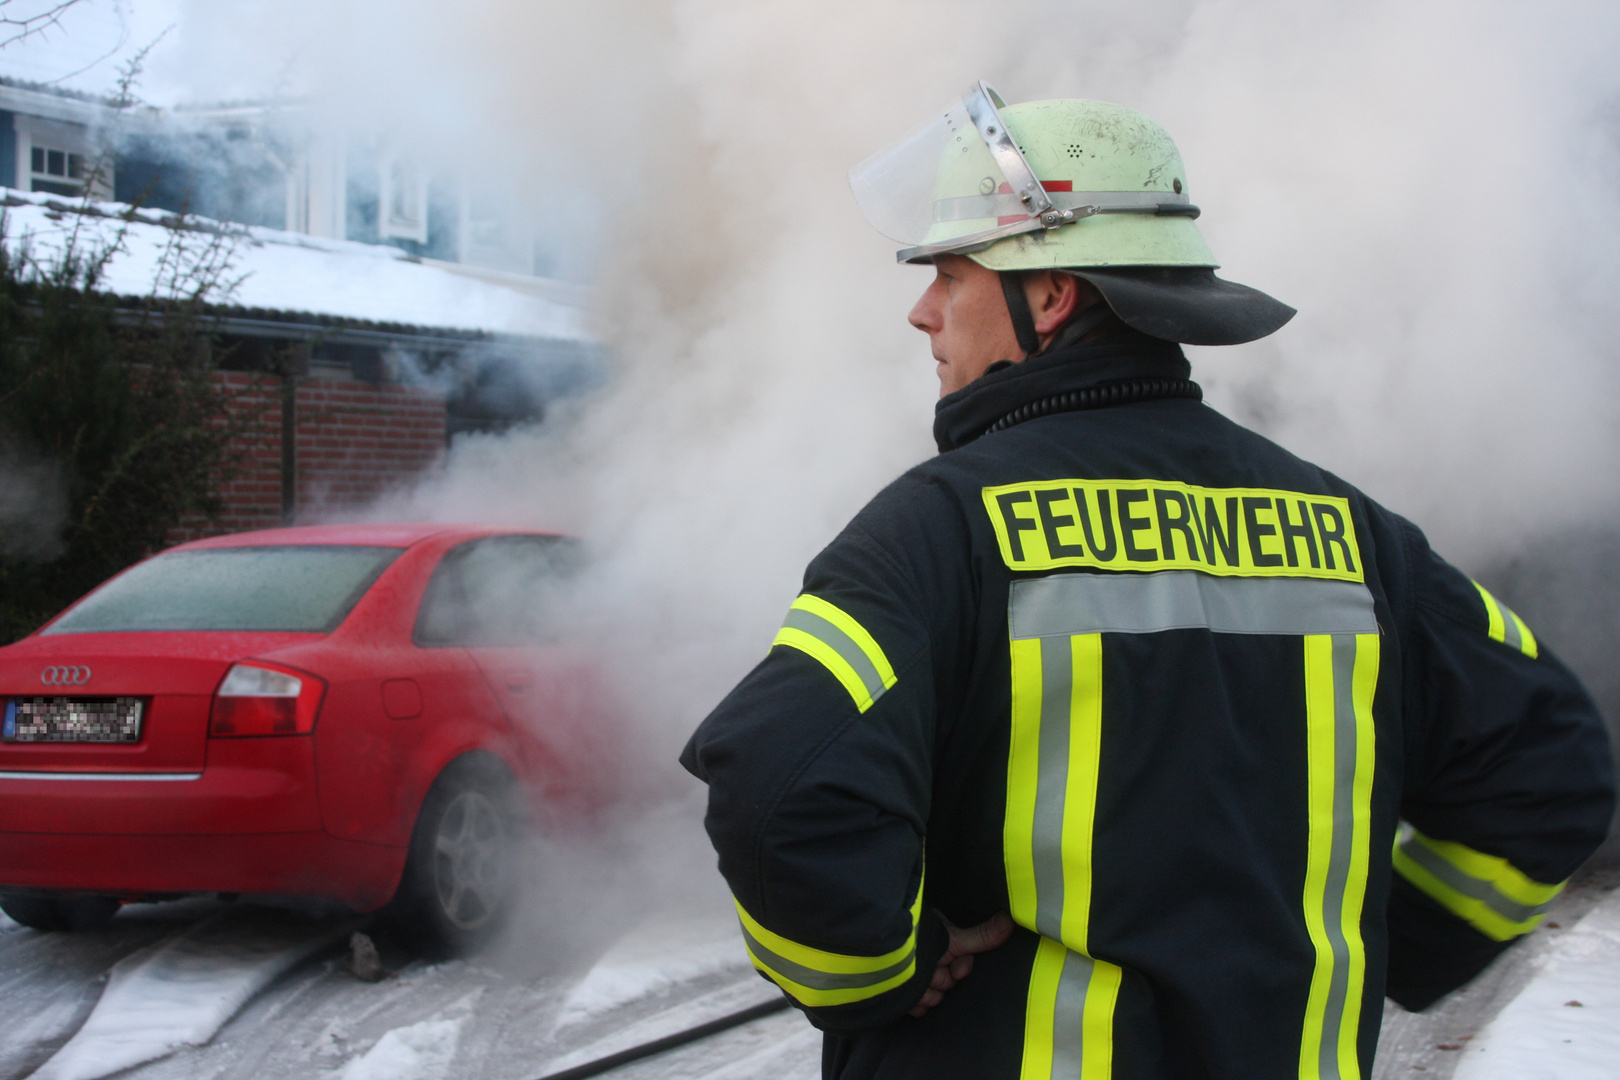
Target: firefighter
column 1115, row 740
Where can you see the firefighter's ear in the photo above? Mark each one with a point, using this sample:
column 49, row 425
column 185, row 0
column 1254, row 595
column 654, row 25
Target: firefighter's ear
column 1055, row 297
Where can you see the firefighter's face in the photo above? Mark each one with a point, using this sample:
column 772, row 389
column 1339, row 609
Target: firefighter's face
column 964, row 313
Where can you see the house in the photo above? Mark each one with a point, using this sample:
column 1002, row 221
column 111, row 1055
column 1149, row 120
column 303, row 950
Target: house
column 270, row 164
column 379, row 309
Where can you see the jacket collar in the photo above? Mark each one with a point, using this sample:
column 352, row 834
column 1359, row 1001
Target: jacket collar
column 963, row 416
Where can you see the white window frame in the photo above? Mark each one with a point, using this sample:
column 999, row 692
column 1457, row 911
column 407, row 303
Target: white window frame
column 401, row 180
column 34, row 132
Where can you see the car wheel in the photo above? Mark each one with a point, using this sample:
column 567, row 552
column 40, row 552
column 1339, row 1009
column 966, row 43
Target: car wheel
column 60, row 912
column 458, row 884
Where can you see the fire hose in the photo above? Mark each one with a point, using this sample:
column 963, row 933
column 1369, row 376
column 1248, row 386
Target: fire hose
column 669, row 1042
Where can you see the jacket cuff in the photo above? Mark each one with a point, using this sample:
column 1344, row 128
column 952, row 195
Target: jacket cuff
column 1431, row 951
column 891, row 1005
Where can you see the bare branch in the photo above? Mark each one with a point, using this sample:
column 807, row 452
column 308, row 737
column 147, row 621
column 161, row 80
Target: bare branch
column 20, row 27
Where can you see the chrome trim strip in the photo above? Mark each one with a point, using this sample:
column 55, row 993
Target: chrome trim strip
column 44, row 774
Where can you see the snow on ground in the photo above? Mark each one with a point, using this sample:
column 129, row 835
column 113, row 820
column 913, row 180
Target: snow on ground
column 419, row 1051
column 51, row 981
column 662, row 952
column 1566, row 1024
column 530, row 1007
column 182, row 991
column 1432, row 1044
column 521, row 1010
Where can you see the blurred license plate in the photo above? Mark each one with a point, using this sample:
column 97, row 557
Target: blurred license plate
column 80, row 720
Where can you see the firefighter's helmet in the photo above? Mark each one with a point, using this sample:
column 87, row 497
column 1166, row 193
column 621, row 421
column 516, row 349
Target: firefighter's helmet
column 1091, row 188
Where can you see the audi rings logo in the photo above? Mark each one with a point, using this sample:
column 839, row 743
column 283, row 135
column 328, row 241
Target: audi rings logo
column 65, row 675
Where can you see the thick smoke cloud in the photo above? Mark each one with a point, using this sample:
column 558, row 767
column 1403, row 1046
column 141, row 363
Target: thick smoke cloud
column 1432, row 184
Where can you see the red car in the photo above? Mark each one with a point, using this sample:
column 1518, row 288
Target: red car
column 368, row 713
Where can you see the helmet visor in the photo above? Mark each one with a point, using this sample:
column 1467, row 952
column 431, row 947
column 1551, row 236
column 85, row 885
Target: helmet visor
column 940, row 182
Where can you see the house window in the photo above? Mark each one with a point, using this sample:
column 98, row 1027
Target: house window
column 403, row 200
column 59, row 172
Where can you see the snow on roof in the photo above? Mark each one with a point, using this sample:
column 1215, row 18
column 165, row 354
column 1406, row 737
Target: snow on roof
column 293, row 273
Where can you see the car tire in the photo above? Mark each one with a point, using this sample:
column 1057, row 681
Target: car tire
column 459, row 884
column 59, row 912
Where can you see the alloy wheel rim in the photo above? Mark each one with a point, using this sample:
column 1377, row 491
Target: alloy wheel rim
column 469, row 854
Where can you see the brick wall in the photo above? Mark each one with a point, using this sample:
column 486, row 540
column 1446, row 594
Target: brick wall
column 356, row 440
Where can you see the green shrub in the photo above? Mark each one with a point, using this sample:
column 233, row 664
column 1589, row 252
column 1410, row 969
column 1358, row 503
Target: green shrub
column 111, row 428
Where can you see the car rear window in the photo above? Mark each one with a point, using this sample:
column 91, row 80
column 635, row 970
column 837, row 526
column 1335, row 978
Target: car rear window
column 500, row 590
column 302, row 588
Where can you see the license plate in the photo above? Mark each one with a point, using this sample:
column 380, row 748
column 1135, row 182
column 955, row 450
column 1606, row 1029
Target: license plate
column 72, row 720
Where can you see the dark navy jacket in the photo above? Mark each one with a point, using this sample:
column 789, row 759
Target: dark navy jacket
column 1238, row 751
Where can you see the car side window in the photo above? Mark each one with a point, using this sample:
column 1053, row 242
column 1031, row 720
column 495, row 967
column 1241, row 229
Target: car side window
column 500, row 590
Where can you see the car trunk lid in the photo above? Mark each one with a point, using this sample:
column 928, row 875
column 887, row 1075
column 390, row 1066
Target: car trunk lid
column 70, row 700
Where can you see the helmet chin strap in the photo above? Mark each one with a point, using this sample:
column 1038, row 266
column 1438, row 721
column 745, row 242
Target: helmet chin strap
column 1012, row 287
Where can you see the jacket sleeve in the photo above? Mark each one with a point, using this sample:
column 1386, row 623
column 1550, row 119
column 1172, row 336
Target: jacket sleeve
column 1509, row 784
column 819, row 766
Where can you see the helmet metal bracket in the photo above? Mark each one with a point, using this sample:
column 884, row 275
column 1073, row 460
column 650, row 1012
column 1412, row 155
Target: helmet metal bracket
column 981, row 104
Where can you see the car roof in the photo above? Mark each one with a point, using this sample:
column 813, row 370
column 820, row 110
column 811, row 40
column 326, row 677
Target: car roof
column 394, row 534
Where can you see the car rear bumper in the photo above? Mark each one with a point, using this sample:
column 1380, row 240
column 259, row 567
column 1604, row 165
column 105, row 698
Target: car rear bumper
column 289, row 864
column 250, row 786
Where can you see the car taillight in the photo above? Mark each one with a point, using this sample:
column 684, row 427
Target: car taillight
column 257, row 699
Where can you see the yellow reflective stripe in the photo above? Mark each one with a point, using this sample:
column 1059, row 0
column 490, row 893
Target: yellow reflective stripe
column 1023, row 780
column 1080, row 796
column 839, row 618
column 1319, row 815
column 816, row 977
column 1069, row 1015
column 1101, row 997
column 814, row 646
column 1494, row 628
column 1503, row 624
column 1341, row 675
column 1040, row 1010
column 1052, row 776
column 1486, row 891
column 842, row 645
column 1365, row 685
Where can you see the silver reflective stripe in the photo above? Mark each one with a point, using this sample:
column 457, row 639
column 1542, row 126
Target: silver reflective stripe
column 1046, row 842
column 1510, row 627
column 1483, row 891
column 972, row 207
column 1068, row 1021
column 43, row 775
column 823, row 980
column 842, row 644
column 1064, row 604
column 1341, row 850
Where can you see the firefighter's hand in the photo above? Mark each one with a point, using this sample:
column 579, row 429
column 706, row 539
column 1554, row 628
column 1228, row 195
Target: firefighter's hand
column 957, row 961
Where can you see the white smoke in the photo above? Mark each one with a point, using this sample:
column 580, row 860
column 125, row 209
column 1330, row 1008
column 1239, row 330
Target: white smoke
column 1436, row 186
